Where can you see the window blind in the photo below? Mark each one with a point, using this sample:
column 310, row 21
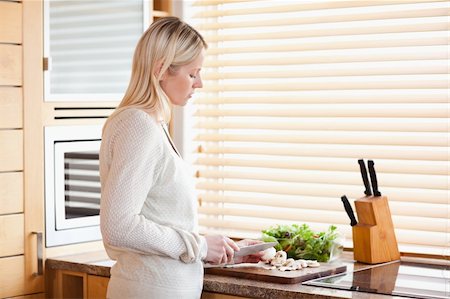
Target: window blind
column 296, row 91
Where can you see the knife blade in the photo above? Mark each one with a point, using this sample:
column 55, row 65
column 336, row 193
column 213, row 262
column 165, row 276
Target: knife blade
column 246, row 250
column 349, row 210
column 362, row 168
column 373, row 178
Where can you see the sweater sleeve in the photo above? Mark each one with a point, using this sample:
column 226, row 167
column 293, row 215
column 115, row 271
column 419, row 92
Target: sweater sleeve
column 134, row 151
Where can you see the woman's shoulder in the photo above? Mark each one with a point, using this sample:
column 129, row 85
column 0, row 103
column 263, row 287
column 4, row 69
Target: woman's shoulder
column 131, row 122
column 133, row 126
column 133, row 118
column 135, row 115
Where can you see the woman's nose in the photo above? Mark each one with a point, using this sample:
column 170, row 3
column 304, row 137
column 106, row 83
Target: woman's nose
column 198, row 83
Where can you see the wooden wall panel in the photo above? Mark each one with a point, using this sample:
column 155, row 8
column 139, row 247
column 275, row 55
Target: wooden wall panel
column 11, row 235
column 11, row 65
column 51, row 283
column 11, row 192
column 161, row 6
column 208, row 295
column 11, row 22
column 12, row 276
column 33, row 296
column 11, row 108
column 11, row 150
column 71, row 284
column 33, row 14
column 97, row 287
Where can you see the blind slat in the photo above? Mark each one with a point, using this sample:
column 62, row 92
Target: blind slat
column 323, row 203
column 336, row 57
column 428, row 67
column 400, row 222
column 392, row 96
column 216, row 2
column 343, row 124
column 344, row 178
column 332, row 85
column 302, row 7
column 400, row 42
column 319, row 137
column 337, row 111
column 334, row 151
column 306, row 33
column 341, row 164
column 329, row 190
column 343, row 17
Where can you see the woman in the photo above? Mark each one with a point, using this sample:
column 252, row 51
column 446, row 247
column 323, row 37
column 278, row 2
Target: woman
column 148, row 209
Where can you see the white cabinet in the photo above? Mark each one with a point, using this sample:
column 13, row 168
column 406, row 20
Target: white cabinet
column 88, row 47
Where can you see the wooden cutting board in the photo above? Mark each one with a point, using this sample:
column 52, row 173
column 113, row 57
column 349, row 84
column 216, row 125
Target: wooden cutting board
column 256, row 273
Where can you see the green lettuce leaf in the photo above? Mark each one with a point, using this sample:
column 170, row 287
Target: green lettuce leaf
column 300, row 242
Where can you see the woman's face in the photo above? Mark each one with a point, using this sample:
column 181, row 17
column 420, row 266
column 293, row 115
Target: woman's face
column 180, row 86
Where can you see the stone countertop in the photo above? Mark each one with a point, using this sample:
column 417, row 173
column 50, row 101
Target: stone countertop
column 98, row 263
column 94, row 263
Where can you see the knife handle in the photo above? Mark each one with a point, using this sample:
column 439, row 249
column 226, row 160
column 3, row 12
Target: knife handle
column 365, row 179
column 373, row 178
column 349, row 210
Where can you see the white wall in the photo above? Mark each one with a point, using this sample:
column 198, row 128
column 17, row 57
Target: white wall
column 181, row 121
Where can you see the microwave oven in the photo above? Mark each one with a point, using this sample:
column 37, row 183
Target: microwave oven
column 72, row 184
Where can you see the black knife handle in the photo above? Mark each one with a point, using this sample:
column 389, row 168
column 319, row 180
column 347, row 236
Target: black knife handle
column 365, row 179
column 349, row 210
column 373, row 178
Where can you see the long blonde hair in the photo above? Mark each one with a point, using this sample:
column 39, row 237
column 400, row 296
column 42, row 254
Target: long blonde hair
column 167, row 44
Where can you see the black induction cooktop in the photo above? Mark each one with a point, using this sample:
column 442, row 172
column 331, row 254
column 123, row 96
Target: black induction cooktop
column 394, row 278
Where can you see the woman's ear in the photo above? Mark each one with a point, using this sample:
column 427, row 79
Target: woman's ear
column 163, row 76
column 158, row 68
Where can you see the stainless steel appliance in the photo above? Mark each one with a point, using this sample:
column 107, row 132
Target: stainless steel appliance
column 72, row 184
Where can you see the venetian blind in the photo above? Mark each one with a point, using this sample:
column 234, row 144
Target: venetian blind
column 295, row 92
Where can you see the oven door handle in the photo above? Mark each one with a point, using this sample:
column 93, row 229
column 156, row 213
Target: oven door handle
column 40, row 260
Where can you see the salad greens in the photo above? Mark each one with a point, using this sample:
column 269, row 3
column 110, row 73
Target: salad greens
column 300, row 242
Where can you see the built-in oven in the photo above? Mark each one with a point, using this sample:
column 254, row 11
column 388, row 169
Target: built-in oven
column 72, row 184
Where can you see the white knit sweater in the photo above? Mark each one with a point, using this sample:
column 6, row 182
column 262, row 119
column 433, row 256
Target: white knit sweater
column 148, row 213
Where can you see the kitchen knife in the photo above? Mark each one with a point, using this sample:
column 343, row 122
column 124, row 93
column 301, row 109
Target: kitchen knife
column 373, row 178
column 349, row 210
column 363, row 170
column 254, row 248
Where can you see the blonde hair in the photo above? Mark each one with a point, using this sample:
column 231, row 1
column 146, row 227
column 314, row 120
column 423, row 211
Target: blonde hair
column 167, row 44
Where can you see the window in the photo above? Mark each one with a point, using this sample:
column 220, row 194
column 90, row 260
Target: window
column 296, row 91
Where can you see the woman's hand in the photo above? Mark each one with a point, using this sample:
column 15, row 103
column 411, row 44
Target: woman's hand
column 251, row 258
column 220, row 249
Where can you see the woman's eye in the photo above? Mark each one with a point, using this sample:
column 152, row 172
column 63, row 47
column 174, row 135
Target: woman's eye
column 193, row 76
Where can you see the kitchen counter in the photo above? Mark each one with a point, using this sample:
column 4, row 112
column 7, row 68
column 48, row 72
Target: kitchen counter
column 97, row 263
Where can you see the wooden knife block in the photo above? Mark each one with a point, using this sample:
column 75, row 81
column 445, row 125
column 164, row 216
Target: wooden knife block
column 374, row 237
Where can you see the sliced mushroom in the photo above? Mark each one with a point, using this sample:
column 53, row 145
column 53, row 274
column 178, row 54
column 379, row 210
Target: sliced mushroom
column 289, row 262
column 279, row 259
column 313, row 264
column 303, row 263
column 269, row 254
